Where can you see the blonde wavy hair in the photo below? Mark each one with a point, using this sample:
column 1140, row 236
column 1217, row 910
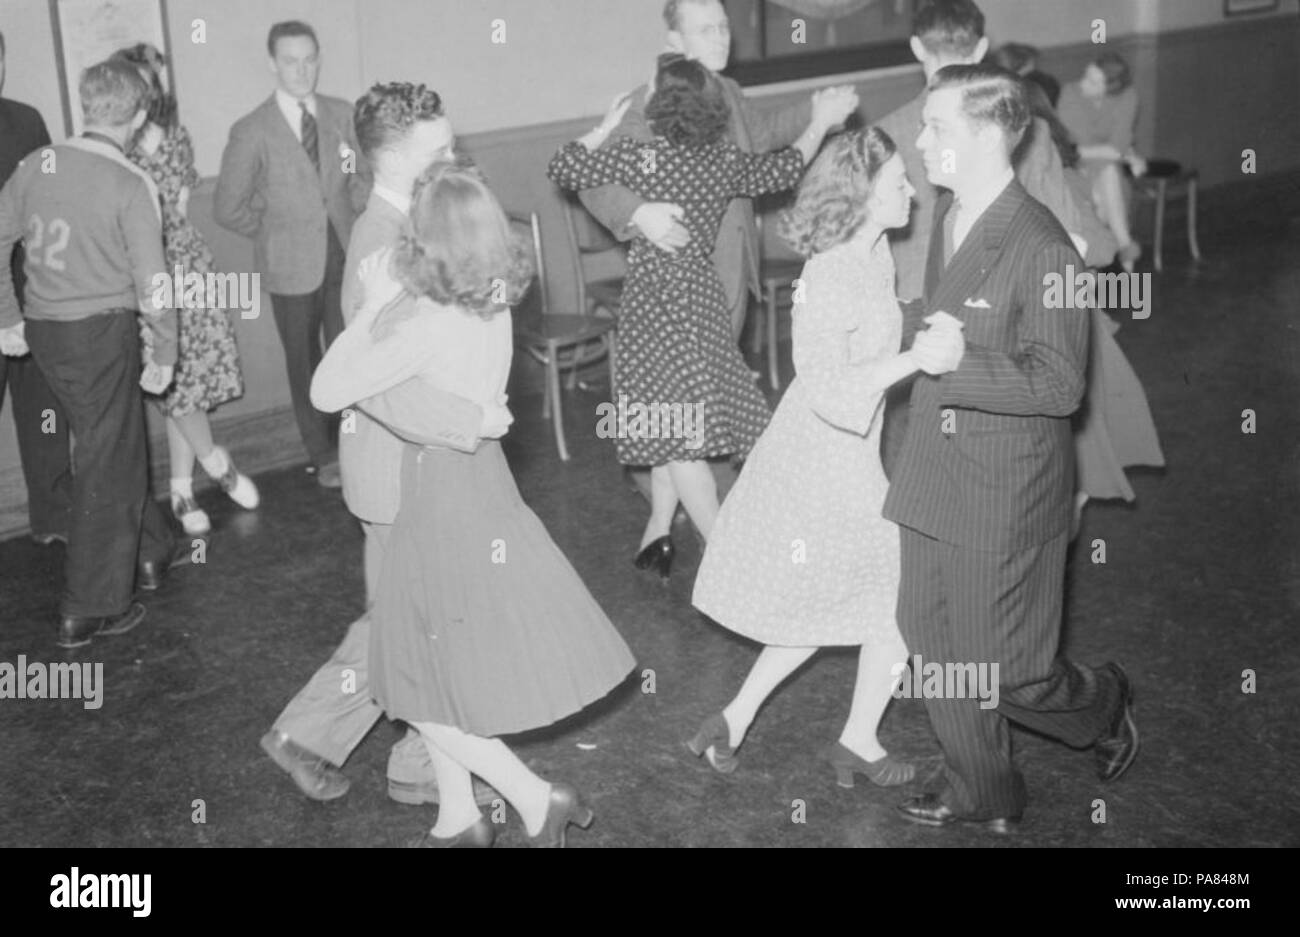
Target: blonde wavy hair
column 461, row 251
column 831, row 204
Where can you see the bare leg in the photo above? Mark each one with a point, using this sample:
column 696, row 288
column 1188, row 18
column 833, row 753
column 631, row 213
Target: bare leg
column 880, row 667
column 496, row 764
column 1108, row 193
column 698, row 490
column 179, row 452
column 663, row 505
column 196, row 430
column 774, row 664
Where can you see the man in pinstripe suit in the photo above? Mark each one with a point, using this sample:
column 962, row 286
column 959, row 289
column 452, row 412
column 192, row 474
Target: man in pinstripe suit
column 984, row 482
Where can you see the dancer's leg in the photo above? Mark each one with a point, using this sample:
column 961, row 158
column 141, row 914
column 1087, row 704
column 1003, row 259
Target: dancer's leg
column 1108, row 192
column 880, row 667
column 663, row 505
column 774, row 664
column 496, row 764
column 456, row 808
column 195, row 429
column 698, row 491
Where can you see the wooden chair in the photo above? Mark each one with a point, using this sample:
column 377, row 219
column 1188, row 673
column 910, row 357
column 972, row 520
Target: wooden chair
column 1165, row 180
column 588, row 239
column 776, row 274
column 557, row 340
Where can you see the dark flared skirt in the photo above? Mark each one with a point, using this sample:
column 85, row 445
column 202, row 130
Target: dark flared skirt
column 480, row 621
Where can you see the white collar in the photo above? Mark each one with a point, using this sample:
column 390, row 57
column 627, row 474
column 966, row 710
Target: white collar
column 288, row 105
column 401, row 202
column 978, row 202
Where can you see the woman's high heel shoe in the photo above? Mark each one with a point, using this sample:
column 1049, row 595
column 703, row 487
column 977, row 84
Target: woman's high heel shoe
column 658, row 554
column 884, row 772
column 565, row 807
column 714, row 741
column 478, row 835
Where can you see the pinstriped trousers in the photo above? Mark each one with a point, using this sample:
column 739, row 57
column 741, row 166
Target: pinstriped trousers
column 958, row 606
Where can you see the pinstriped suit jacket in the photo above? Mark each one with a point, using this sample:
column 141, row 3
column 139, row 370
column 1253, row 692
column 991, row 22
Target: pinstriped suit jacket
column 1003, row 480
column 370, row 457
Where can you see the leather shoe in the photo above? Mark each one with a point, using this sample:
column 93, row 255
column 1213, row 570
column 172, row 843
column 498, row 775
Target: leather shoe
column 45, row 540
column 1116, row 749
column 76, row 630
column 315, row 776
column 929, row 810
column 149, row 574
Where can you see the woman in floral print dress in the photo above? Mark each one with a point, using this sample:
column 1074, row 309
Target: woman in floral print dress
column 207, row 369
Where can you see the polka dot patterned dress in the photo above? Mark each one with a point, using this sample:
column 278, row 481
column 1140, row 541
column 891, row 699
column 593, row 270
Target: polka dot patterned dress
column 675, row 350
column 800, row 555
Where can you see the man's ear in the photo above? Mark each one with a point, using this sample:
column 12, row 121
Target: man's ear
column 675, row 42
column 918, row 49
column 981, row 50
column 139, row 120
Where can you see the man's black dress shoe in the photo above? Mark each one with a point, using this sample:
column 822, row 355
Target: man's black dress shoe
column 315, row 776
column 150, row 573
column 1116, row 749
column 929, row 810
column 76, row 631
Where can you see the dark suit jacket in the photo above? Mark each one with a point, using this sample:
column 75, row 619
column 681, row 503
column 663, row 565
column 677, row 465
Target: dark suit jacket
column 269, row 191
column 21, row 131
column 1003, row 480
column 736, row 254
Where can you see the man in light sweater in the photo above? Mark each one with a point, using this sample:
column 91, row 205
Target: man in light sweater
column 93, row 234
column 401, row 129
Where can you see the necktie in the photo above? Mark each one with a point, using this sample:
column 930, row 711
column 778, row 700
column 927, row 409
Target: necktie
column 309, row 139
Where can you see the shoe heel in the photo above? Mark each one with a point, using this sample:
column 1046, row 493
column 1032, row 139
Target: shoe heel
column 582, row 815
column 844, row 777
column 698, row 745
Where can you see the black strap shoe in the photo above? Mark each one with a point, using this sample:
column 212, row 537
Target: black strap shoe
column 76, row 630
column 929, row 810
column 1117, row 748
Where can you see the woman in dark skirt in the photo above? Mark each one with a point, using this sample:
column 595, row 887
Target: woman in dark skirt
column 676, row 355
column 482, row 628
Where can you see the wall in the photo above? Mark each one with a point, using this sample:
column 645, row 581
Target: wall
column 514, row 103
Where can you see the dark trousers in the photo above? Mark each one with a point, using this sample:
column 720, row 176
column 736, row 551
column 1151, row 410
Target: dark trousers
column 960, row 606
column 93, row 367
column 42, row 429
column 300, row 320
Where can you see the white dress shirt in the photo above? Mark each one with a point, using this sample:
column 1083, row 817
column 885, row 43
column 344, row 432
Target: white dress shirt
column 292, row 113
column 401, row 202
column 967, row 210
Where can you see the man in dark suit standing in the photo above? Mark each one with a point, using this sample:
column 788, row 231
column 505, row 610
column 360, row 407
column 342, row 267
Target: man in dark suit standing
column 293, row 179
column 984, row 484
column 38, row 418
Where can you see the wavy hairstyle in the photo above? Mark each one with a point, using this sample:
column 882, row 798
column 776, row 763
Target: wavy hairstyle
column 461, row 251
column 831, row 203
column 688, row 107
column 160, row 105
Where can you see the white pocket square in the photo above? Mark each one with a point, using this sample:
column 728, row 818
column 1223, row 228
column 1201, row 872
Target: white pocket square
column 977, row 304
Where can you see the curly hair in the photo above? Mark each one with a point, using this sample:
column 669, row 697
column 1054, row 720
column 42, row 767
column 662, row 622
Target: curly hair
column 1116, row 70
column 386, row 112
column 160, row 106
column 461, row 251
column 831, row 203
column 688, row 107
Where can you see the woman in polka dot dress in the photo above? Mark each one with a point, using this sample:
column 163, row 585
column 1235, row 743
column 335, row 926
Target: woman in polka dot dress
column 801, row 557
column 677, row 365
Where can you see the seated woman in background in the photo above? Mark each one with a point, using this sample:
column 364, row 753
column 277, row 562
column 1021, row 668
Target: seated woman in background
column 1100, row 111
column 1113, row 428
